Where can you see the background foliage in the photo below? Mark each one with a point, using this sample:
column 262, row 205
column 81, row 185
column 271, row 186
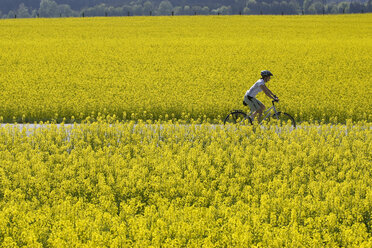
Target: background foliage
column 57, row 8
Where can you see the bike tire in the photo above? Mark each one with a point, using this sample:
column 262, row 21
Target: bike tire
column 236, row 116
column 284, row 118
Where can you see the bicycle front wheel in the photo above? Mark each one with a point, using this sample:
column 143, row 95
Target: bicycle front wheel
column 284, row 119
column 235, row 117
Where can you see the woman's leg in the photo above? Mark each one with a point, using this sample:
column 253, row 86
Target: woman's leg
column 260, row 111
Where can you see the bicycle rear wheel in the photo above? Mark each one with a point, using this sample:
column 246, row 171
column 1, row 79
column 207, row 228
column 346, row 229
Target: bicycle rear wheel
column 236, row 116
column 284, row 119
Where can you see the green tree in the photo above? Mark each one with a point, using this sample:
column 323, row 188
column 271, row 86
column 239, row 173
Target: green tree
column 294, row 7
column 127, row 9
column 98, row 10
column 137, row 9
column 316, row 8
column 246, row 10
column 253, row 6
column 332, row 8
column 48, row 8
column 165, row 8
column 22, row 11
column 65, row 10
column 343, row 7
column 356, row 7
column 11, row 14
column 147, row 7
column 224, row 10
column 178, row 10
column 197, row 9
column 306, row 5
column 205, row 10
column 265, row 8
column 369, row 6
column 187, row 10
column 238, row 6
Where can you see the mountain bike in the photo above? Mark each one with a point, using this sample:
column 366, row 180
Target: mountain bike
column 239, row 116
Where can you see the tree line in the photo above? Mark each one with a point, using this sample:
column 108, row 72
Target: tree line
column 75, row 8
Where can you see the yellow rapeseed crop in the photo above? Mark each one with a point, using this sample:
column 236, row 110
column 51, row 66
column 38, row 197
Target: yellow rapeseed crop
column 188, row 67
column 110, row 182
column 151, row 185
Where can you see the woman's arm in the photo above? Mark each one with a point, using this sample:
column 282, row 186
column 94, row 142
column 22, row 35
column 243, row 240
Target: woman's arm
column 268, row 92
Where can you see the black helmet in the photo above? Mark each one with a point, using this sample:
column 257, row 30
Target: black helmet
column 266, row 73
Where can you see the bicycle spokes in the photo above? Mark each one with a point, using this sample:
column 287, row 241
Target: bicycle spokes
column 283, row 119
column 235, row 117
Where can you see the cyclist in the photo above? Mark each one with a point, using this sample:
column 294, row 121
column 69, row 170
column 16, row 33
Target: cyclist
column 250, row 99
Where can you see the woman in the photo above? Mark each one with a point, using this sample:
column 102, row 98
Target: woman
column 250, row 96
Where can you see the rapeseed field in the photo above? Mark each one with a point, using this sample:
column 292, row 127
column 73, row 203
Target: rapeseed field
column 188, row 67
column 150, row 165
column 171, row 185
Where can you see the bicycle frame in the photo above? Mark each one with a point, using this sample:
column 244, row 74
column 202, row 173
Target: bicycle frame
column 240, row 116
column 267, row 112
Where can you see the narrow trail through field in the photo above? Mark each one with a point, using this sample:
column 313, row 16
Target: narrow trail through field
column 31, row 128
